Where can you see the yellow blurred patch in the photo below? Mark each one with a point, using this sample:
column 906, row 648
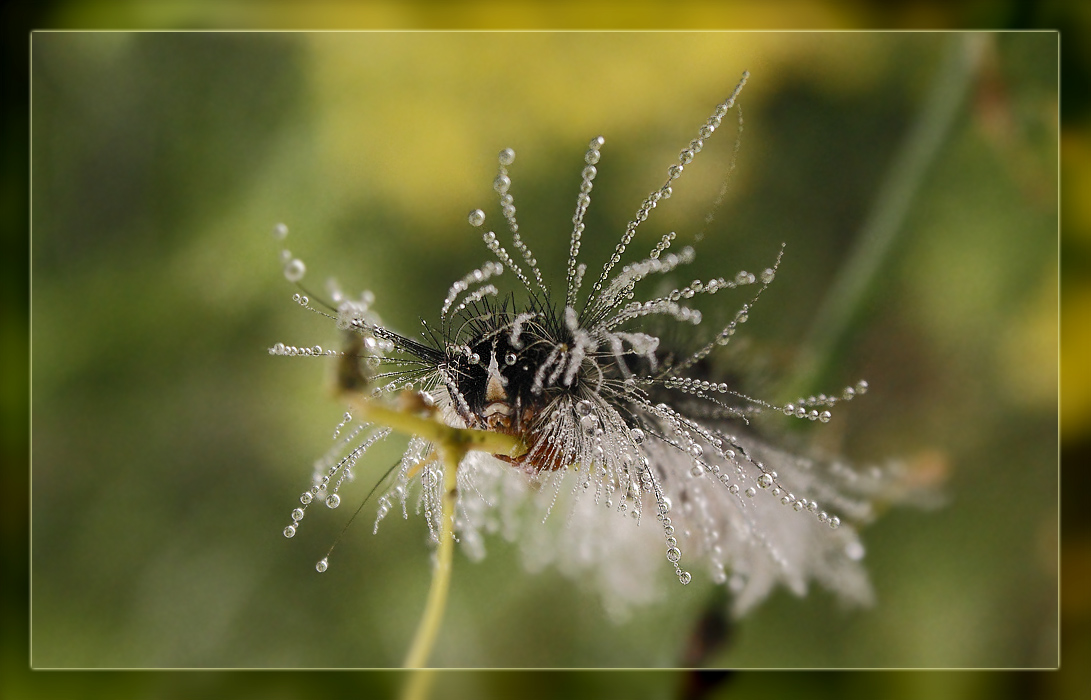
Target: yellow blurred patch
column 410, row 119
column 1075, row 369
column 1027, row 356
column 1075, row 184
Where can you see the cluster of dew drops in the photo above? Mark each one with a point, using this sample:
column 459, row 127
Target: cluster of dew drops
column 591, row 425
column 294, row 270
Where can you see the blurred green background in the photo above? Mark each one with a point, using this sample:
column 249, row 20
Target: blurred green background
column 169, row 448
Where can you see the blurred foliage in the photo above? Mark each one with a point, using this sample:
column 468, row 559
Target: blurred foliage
column 168, row 448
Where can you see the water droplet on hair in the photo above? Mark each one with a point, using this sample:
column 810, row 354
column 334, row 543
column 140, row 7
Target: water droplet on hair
column 583, row 408
column 322, row 565
column 306, row 497
column 333, row 500
column 297, row 514
column 294, row 270
column 673, row 555
column 289, row 531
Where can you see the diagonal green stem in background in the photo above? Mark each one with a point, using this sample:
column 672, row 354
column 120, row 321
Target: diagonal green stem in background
column 887, row 217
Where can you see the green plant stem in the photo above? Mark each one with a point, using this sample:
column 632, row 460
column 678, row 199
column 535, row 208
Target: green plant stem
column 452, row 445
column 438, row 433
column 420, row 683
column 441, row 571
column 887, row 216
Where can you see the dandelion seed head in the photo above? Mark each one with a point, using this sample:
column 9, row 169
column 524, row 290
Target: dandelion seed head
column 616, row 426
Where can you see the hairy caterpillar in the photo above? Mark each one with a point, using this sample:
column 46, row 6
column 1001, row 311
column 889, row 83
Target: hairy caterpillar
column 615, row 426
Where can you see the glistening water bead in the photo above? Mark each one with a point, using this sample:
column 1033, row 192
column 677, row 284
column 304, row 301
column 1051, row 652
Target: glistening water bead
column 294, row 270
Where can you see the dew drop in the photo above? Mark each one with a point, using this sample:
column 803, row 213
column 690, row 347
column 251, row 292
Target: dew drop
column 825, row 416
column 294, row 270
column 765, row 481
column 507, row 156
column 750, row 492
column 333, row 500
column 289, row 531
column 673, row 555
column 684, row 577
column 637, row 436
column 297, row 514
column 510, row 359
column 835, row 522
column 476, row 217
column 322, row 565
column 861, row 387
column 583, row 408
column 306, row 497
column 767, row 275
column 280, row 232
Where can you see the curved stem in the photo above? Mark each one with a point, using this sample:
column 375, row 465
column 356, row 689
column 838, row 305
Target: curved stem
column 441, row 573
column 440, row 434
column 452, row 444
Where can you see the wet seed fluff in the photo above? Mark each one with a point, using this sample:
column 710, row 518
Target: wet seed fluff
column 632, row 453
